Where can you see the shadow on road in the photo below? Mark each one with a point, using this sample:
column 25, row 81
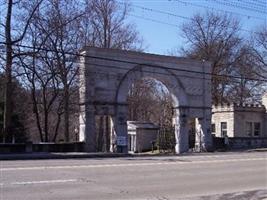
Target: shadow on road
column 246, row 195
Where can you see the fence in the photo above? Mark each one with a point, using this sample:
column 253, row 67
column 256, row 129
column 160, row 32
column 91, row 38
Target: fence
column 166, row 139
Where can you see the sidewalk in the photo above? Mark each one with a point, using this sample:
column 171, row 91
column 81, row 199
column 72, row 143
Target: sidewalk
column 80, row 155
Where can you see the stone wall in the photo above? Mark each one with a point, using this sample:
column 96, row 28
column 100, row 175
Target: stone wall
column 42, row 147
column 239, row 143
column 247, row 143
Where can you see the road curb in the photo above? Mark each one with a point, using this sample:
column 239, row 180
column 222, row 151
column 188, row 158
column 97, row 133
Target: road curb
column 258, row 150
column 35, row 156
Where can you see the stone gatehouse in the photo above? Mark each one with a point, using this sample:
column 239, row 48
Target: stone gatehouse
column 239, row 120
column 106, row 76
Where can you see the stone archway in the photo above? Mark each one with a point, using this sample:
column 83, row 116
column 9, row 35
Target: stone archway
column 106, row 76
column 176, row 89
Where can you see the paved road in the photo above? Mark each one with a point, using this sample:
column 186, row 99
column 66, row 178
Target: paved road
column 233, row 176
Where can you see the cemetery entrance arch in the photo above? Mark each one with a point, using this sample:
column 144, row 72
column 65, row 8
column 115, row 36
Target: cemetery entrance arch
column 107, row 75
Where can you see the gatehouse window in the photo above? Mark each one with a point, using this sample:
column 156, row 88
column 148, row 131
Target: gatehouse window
column 253, row 128
column 213, row 128
column 257, row 128
column 223, row 129
column 249, row 128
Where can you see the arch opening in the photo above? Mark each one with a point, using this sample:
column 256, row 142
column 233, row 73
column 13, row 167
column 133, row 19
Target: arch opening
column 163, row 77
column 172, row 134
column 150, row 117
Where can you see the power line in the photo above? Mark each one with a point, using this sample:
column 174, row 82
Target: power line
column 137, row 63
column 154, row 20
column 235, row 5
column 230, row 4
column 220, row 10
column 148, row 71
column 250, row 4
column 259, row 4
column 168, row 74
column 162, row 12
column 172, row 15
column 255, row 1
column 245, row 5
column 157, row 66
column 169, row 14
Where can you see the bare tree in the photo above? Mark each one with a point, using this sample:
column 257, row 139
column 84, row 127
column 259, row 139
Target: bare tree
column 51, row 72
column 249, row 85
column 215, row 38
column 49, row 68
column 12, row 38
column 66, row 19
column 105, row 26
column 260, row 48
column 43, row 85
column 64, row 42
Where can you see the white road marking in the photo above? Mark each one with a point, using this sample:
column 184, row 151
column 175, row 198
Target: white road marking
column 43, row 182
column 185, row 162
column 39, row 182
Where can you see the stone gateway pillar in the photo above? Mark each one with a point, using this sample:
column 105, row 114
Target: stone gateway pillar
column 87, row 125
column 203, row 133
column 120, row 129
column 180, row 123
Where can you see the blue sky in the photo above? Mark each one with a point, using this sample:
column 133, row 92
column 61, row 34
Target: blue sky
column 161, row 30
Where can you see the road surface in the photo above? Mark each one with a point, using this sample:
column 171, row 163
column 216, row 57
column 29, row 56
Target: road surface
column 234, row 176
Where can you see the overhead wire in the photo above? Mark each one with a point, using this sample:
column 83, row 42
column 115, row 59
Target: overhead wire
column 254, row 7
column 110, row 73
column 171, row 15
column 254, row 3
column 138, row 63
column 231, row 4
column 220, row 10
column 162, row 12
column 154, row 20
column 167, row 74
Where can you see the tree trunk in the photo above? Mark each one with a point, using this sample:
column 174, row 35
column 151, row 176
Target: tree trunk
column 36, row 113
column 57, row 127
column 46, row 113
column 66, row 113
column 8, row 76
